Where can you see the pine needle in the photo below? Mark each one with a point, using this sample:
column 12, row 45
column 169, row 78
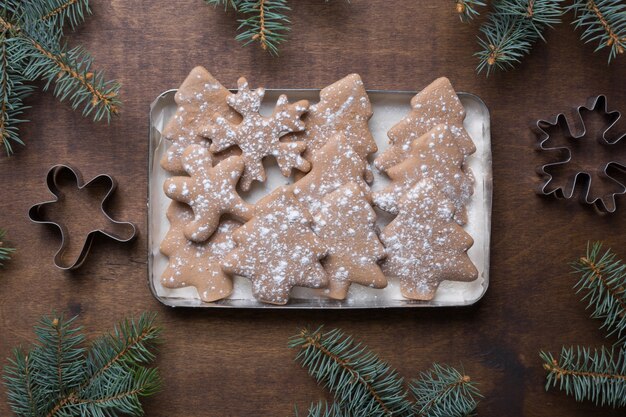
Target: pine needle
column 5, row 252
column 602, row 21
column 444, row 392
column 31, row 49
column 362, row 384
column 266, row 24
column 59, row 377
column 468, row 9
column 586, row 374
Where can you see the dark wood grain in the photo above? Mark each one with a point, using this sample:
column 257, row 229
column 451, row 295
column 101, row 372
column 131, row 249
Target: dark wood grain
column 236, row 363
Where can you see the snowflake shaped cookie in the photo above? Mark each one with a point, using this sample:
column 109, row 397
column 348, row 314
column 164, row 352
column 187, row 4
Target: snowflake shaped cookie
column 259, row 136
column 209, row 191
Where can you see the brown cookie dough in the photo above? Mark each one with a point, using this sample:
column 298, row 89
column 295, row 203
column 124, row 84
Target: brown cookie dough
column 436, row 157
column 434, row 105
column 196, row 264
column 259, row 136
column 210, row 191
column 277, row 249
column 201, row 99
column 346, row 224
column 334, row 165
column 424, row 245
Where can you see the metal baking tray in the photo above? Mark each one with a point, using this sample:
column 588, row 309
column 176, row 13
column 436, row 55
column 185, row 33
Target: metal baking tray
column 389, row 107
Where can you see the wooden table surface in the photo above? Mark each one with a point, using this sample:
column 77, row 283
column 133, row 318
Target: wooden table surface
column 236, row 363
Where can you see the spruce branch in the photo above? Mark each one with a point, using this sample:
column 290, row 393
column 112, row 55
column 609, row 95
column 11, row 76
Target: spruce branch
column 444, row 392
column 226, row 4
column 603, row 21
column 468, row 9
column 361, row 383
column 586, row 374
column 59, row 377
column 266, row 23
column 32, row 49
column 603, row 282
column 5, row 252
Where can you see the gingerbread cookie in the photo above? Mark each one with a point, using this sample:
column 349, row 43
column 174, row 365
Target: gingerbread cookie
column 434, row 156
column 277, row 249
column 346, row 224
column 210, row 191
column 334, row 165
column 200, row 100
column 259, row 136
column 424, row 245
column 343, row 107
column 436, row 104
column 197, row 264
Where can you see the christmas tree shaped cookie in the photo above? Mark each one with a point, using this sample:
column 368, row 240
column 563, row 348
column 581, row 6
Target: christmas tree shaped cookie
column 196, row 264
column 424, row 245
column 201, row 99
column 344, row 107
column 436, row 104
column 334, row 165
column 210, row 191
column 436, row 157
column 277, row 249
column 346, row 224
column 259, row 136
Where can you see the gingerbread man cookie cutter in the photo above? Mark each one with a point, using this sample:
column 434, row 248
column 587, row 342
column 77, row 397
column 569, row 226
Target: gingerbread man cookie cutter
column 37, row 214
column 605, row 203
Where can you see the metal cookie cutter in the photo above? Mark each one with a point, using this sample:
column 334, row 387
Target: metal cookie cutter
column 582, row 173
column 119, row 231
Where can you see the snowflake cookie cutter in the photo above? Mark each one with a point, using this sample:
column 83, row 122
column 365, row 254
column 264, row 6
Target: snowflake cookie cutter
column 584, row 176
column 37, row 214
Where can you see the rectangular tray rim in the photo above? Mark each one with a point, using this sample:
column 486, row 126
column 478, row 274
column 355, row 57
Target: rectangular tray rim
column 406, row 303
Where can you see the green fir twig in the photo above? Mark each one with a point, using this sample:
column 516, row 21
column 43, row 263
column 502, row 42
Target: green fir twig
column 31, row 48
column 59, row 377
column 597, row 375
column 5, row 251
column 468, row 9
column 266, row 23
column 363, row 385
column 602, row 21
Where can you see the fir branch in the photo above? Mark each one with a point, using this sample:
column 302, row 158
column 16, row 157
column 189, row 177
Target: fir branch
column 603, row 282
column 59, row 12
column 361, row 383
column 5, row 252
column 540, row 14
column 266, row 23
column 444, row 392
column 467, row 9
column 70, row 71
column 603, row 21
column 226, row 4
column 593, row 375
column 324, row 409
column 59, row 378
column 13, row 90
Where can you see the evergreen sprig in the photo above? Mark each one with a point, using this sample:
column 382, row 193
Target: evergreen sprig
column 32, row 48
column 5, row 252
column 264, row 21
column 443, row 392
column 602, row 21
column 514, row 26
column 597, row 375
column 59, row 377
column 363, row 385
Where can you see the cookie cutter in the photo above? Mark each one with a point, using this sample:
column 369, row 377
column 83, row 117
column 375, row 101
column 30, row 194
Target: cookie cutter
column 35, row 213
column 605, row 203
